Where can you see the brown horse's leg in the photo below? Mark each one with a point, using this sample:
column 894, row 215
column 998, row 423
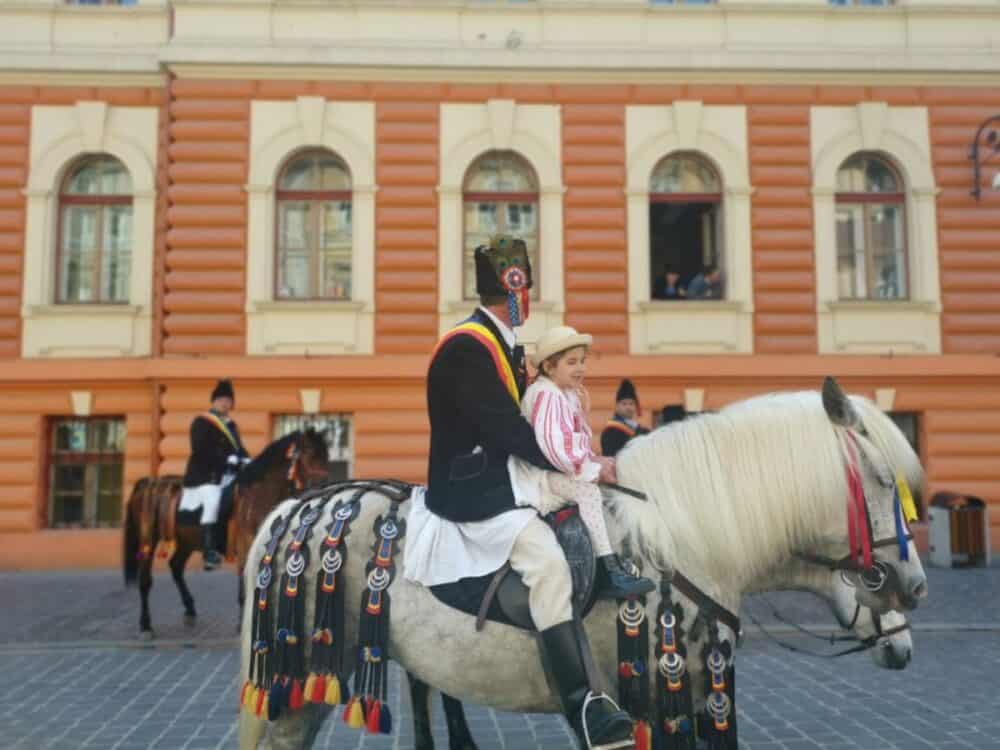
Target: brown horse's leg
column 145, row 584
column 177, row 563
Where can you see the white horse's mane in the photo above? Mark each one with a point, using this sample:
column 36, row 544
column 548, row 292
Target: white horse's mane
column 733, row 493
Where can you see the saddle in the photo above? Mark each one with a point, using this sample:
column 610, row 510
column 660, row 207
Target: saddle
column 502, row 596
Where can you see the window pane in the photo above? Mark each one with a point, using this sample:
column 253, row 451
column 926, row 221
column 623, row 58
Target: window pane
column 501, row 171
column 851, row 282
column 336, row 258
column 315, row 171
column 104, row 176
column 78, row 254
column 683, row 174
column 117, row 256
column 71, row 436
column 886, row 231
column 295, row 249
column 866, row 174
column 109, row 493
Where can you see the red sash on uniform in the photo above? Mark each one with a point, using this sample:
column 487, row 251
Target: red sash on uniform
column 485, row 336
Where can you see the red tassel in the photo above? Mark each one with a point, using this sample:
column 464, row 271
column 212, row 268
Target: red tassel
column 319, row 689
column 243, row 692
column 373, row 717
column 259, row 708
column 296, row 699
column 642, row 736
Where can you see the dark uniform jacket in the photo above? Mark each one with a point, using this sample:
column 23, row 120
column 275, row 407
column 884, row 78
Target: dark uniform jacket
column 617, row 434
column 469, row 406
column 210, row 450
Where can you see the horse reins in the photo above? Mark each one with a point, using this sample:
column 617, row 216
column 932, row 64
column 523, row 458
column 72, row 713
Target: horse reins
column 863, row 644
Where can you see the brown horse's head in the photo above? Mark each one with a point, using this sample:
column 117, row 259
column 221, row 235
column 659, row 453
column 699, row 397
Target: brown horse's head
column 282, row 470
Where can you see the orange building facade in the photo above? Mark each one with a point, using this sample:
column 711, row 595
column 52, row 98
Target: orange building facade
column 206, row 127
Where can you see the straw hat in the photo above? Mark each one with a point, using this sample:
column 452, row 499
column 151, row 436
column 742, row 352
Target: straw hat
column 556, row 340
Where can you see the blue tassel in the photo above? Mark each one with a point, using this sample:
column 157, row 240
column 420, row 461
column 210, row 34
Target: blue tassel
column 275, row 700
column 904, row 547
column 385, row 720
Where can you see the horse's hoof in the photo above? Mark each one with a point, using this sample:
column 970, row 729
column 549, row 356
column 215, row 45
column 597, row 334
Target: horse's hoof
column 145, row 635
column 190, row 619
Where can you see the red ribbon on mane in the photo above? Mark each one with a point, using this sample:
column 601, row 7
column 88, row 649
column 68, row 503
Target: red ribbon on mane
column 857, row 526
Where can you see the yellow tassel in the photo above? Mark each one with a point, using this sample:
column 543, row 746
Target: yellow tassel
column 251, row 703
column 906, row 499
column 310, row 685
column 332, row 697
column 356, row 718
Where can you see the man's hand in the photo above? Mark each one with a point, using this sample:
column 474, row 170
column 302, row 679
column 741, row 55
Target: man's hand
column 608, row 473
column 233, row 460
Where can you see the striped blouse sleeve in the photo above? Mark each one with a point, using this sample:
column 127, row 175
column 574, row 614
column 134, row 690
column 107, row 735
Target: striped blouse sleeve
column 563, row 436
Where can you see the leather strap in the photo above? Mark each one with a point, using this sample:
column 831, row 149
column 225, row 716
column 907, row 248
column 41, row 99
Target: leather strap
column 491, row 592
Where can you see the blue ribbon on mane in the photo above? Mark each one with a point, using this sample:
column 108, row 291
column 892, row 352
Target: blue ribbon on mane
column 897, row 507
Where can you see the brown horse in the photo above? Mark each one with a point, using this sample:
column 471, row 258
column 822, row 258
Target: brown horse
column 286, row 466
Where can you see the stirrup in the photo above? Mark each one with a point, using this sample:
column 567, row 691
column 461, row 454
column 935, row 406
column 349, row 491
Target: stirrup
column 615, row 745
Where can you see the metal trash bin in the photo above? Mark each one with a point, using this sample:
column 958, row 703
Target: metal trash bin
column 958, row 531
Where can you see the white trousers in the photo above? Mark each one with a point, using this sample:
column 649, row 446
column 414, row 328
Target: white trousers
column 206, row 497
column 539, row 559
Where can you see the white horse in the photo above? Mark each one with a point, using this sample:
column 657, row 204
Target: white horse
column 732, row 497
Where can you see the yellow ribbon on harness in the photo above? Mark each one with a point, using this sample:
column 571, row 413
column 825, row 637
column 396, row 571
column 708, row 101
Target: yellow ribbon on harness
column 906, row 499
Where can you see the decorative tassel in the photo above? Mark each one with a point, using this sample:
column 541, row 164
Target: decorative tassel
column 354, row 715
column 265, row 708
column 295, row 697
column 275, row 699
column 385, row 720
column 332, row 697
column 643, row 736
column 244, row 693
column 318, row 692
column 260, row 709
column 310, row 688
column 372, row 723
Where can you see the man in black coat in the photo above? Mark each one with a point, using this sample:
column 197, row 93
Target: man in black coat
column 474, row 385
column 217, row 453
column 623, row 426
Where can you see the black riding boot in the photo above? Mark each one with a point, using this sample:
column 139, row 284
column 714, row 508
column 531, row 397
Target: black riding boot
column 604, row 724
column 209, row 550
column 621, row 583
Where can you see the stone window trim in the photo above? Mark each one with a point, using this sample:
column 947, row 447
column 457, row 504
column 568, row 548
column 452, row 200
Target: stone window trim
column 60, row 137
column 534, row 132
column 901, row 135
column 279, row 130
column 718, row 135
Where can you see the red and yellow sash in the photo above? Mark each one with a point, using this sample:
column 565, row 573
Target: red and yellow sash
column 620, row 426
column 223, row 429
column 485, row 336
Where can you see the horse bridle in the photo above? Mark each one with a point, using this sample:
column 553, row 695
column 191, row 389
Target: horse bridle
column 297, row 470
column 863, row 644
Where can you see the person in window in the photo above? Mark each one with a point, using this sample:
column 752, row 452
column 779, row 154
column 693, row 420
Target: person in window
column 623, row 426
column 668, row 285
column 217, row 453
column 707, row 284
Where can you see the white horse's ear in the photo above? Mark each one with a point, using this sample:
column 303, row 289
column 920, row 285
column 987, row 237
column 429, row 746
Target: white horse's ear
column 838, row 406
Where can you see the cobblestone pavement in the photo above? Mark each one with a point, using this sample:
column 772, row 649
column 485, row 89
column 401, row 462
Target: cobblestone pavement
column 76, row 677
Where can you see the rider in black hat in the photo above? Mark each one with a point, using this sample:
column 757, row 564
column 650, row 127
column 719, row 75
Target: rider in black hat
column 217, row 453
column 623, row 426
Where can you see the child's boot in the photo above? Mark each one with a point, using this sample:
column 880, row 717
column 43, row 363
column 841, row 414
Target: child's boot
column 621, row 583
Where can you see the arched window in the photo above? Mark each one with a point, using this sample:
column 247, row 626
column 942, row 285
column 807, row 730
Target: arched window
column 685, row 232
column 314, row 243
column 94, row 247
column 871, row 235
column 500, row 194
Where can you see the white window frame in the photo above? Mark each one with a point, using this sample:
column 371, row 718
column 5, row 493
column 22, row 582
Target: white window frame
column 719, row 135
column 299, row 327
column 902, row 136
column 533, row 131
column 59, row 137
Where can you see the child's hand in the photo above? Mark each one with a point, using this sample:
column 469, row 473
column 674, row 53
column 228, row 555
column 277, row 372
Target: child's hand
column 584, row 397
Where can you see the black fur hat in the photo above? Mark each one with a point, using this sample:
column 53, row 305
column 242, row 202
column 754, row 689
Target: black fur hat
column 491, row 259
column 224, row 388
column 627, row 390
